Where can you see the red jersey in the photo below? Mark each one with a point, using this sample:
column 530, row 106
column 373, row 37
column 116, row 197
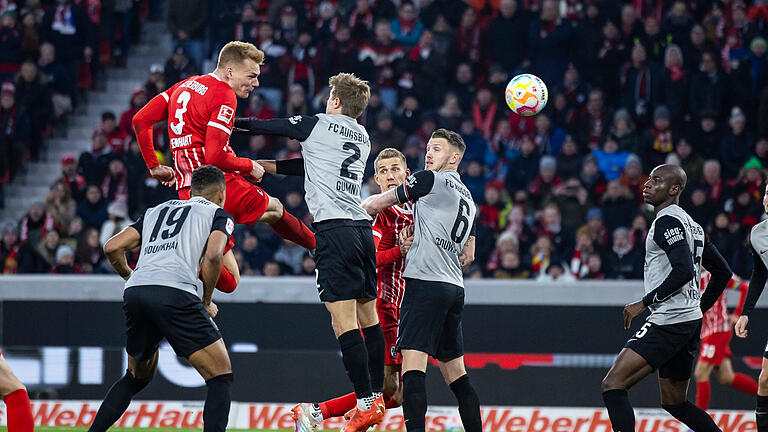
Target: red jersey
column 716, row 318
column 389, row 261
column 196, row 105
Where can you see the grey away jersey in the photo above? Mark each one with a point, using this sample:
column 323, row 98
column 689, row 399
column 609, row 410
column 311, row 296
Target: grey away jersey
column 444, row 215
column 335, row 154
column 758, row 238
column 672, row 225
column 173, row 239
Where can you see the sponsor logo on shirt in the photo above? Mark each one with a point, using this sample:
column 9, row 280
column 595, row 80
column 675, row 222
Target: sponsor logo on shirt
column 410, row 181
column 225, row 114
column 230, row 226
column 295, row 119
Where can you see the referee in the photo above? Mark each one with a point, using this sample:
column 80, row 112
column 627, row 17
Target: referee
column 161, row 301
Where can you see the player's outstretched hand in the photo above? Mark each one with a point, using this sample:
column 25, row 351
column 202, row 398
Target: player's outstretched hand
column 632, row 310
column 406, row 232
column 164, row 174
column 212, row 309
column 741, row 326
column 405, row 246
column 257, row 172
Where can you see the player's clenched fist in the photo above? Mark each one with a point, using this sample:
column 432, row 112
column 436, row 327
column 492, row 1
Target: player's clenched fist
column 212, row 309
column 164, row 174
column 741, row 326
column 632, row 310
column 406, row 232
column 405, row 245
column 257, row 172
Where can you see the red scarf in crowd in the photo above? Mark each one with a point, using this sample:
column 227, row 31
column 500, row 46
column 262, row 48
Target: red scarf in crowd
column 48, row 225
column 484, row 122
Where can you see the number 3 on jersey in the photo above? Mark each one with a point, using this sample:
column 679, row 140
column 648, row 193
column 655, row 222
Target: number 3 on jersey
column 183, row 99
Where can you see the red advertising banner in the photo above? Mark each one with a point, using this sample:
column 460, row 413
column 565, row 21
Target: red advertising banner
column 180, row 414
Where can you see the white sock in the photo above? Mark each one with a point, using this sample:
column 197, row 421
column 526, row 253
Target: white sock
column 316, row 412
column 365, row 403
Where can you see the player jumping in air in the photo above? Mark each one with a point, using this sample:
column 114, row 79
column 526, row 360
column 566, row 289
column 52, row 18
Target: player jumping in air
column 390, row 171
column 178, row 239
column 433, row 304
column 335, row 149
column 14, row 394
column 201, row 112
column 715, row 355
column 758, row 240
column 675, row 251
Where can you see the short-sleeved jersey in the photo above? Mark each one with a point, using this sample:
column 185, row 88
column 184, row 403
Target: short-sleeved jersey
column 335, row 154
column 672, row 226
column 387, row 226
column 193, row 105
column 444, row 215
column 173, row 239
column 716, row 318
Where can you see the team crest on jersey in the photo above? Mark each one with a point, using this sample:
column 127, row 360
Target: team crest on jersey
column 225, row 114
column 230, row 226
column 393, row 351
column 295, row 119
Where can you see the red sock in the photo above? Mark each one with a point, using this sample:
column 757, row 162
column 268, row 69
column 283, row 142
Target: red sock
column 339, row 406
column 703, row 390
column 291, row 228
column 19, row 412
column 744, row 383
column 227, row 282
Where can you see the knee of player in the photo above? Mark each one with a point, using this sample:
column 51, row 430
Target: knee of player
column 724, row 377
column 610, row 382
column 701, row 375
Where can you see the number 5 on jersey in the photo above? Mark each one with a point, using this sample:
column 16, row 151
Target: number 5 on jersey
column 183, row 99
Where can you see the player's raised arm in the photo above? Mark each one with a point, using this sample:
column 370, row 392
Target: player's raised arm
column 115, row 248
column 217, row 133
column 721, row 273
column 415, row 187
column 296, row 127
column 291, row 167
column 153, row 112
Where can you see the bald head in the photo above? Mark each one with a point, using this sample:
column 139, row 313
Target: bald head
column 664, row 185
column 672, row 175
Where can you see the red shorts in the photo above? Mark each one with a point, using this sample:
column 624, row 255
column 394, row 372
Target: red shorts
column 389, row 315
column 715, row 347
column 246, row 202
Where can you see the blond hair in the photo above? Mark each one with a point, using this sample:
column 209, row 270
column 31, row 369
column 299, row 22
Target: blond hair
column 389, row 153
column 237, row 51
column 353, row 93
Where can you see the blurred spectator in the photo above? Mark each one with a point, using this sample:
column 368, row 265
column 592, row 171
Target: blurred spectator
column 68, row 28
column 549, row 40
column 307, row 266
column 33, row 100
column 60, row 204
column 36, row 224
column 524, row 168
column 511, row 267
column 508, row 29
column 541, row 253
column 761, row 151
column 469, row 39
column 93, row 164
column 272, row 78
column 657, row 142
column 93, row 210
column 449, row 113
column 117, row 212
column 623, row 261
column 47, row 249
column 706, row 137
column 287, row 29
column 489, row 212
column 71, row 178
column 592, row 179
column 271, row 269
column 594, row 121
column 138, row 100
column 484, row 112
column 579, row 264
column 339, row 54
column 633, row 178
column 701, row 210
column 186, row 22
column 10, row 44
column 674, row 83
column 542, row 189
column 548, row 137
column 255, row 255
column 738, row 143
column 595, row 267
column 65, row 261
column 9, row 248
column 89, row 255
column 380, row 63
column 708, row 87
column 116, row 136
column 386, row 134
column 290, row 256
column 623, row 131
column 13, row 129
column 654, row 41
column 610, row 57
column 361, row 21
column 296, row 103
column 572, row 200
column 692, row 163
column 555, row 272
column 717, row 190
column 114, row 187
column 618, row 206
column 408, row 115
column 514, row 222
column 641, row 86
column 156, row 82
column 463, row 86
column 474, row 180
column 568, row 161
column 407, row 28
column 304, row 61
column 725, row 236
column 551, row 225
column 610, row 160
column 477, row 146
column 59, row 80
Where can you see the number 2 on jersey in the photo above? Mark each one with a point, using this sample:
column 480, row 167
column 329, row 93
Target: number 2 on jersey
column 461, row 225
column 183, row 99
column 344, row 172
column 175, row 220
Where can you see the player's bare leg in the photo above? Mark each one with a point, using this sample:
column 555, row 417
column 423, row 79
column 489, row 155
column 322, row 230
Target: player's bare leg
column 455, row 375
column 761, row 412
column 701, row 374
column 392, row 385
column 287, row 225
column 14, row 394
column 742, row 382
column 138, row 375
column 229, row 278
column 627, row 370
column 212, row 363
column 674, row 402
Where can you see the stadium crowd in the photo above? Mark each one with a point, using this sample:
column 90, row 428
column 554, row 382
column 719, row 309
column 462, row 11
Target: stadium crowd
column 632, row 84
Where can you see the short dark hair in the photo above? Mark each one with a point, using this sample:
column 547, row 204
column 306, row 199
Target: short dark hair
column 452, row 137
column 108, row 115
column 205, row 177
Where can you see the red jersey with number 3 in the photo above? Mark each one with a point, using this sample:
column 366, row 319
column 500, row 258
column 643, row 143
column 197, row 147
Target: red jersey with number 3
column 387, row 227
column 193, row 105
column 716, row 318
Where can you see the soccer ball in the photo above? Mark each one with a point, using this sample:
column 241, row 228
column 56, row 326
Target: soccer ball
column 526, row 95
